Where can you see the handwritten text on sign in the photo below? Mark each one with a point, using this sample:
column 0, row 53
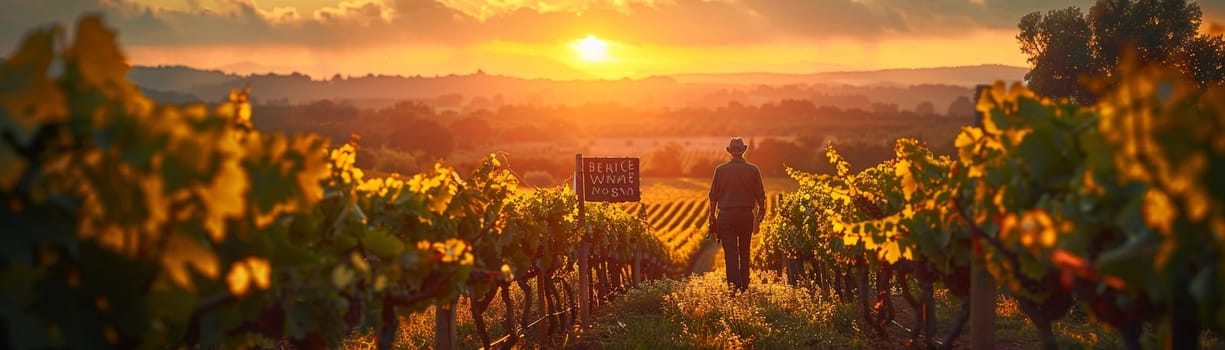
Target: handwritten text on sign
column 611, row 179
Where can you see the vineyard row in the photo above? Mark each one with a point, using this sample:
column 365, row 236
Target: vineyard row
column 1117, row 206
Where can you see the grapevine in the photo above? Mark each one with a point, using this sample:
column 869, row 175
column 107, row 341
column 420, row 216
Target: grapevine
column 1116, row 206
column 133, row 224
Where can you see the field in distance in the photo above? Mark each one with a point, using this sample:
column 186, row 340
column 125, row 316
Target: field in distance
column 668, row 189
column 678, row 207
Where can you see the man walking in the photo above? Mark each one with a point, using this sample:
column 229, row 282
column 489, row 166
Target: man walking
column 735, row 191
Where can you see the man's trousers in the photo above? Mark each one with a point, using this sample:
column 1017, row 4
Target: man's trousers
column 736, row 232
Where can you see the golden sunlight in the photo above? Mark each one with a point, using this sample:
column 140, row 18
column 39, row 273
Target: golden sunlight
column 591, row 49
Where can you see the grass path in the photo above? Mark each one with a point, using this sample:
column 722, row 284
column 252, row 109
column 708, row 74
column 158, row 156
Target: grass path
column 700, row 312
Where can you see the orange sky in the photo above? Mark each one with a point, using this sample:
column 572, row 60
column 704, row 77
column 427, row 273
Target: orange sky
column 535, row 38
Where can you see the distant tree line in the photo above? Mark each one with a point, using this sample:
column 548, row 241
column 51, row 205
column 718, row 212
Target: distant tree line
column 410, row 136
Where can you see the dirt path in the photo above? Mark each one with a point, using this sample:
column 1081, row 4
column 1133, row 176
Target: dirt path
column 705, row 260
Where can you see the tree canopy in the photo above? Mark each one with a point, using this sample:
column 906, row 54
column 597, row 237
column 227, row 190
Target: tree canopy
column 1066, row 46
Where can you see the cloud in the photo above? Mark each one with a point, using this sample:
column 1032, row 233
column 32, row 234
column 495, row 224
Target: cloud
column 361, row 11
column 281, row 14
column 20, row 16
column 686, row 22
column 463, row 22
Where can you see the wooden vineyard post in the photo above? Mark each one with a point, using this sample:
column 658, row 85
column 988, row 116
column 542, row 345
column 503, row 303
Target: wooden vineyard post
column 444, row 327
column 982, row 306
column 541, row 280
column 982, row 286
column 584, row 284
column 584, row 248
column 636, row 269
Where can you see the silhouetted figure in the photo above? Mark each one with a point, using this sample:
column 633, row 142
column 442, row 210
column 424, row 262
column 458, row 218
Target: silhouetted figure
column 734, row 194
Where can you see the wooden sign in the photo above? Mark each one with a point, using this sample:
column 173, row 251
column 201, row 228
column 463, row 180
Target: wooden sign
column 611, row 179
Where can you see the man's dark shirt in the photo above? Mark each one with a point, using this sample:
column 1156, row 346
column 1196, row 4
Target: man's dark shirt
column 737, row 184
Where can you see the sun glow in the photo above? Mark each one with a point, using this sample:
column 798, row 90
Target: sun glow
column 591, row 49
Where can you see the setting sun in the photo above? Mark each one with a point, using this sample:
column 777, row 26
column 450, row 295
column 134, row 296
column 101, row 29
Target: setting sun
column 591, row 49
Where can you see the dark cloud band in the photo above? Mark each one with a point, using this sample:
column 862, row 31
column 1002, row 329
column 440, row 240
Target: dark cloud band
column 429, row 22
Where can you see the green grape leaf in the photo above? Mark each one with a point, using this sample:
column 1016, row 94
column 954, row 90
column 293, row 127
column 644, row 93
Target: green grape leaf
column 24, row 330
column 1204, row 288
column 14, row 167
column 382, row 245
column 1131, row 262
column 98, row 59
column 174, row 305
column 28, row 98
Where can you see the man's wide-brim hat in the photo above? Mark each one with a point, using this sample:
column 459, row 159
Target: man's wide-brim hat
column 737, row 146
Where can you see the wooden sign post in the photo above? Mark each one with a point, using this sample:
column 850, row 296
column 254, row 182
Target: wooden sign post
column 599, row 180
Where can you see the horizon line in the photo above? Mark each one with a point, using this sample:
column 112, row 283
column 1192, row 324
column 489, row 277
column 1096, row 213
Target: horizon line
column 480, row 71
